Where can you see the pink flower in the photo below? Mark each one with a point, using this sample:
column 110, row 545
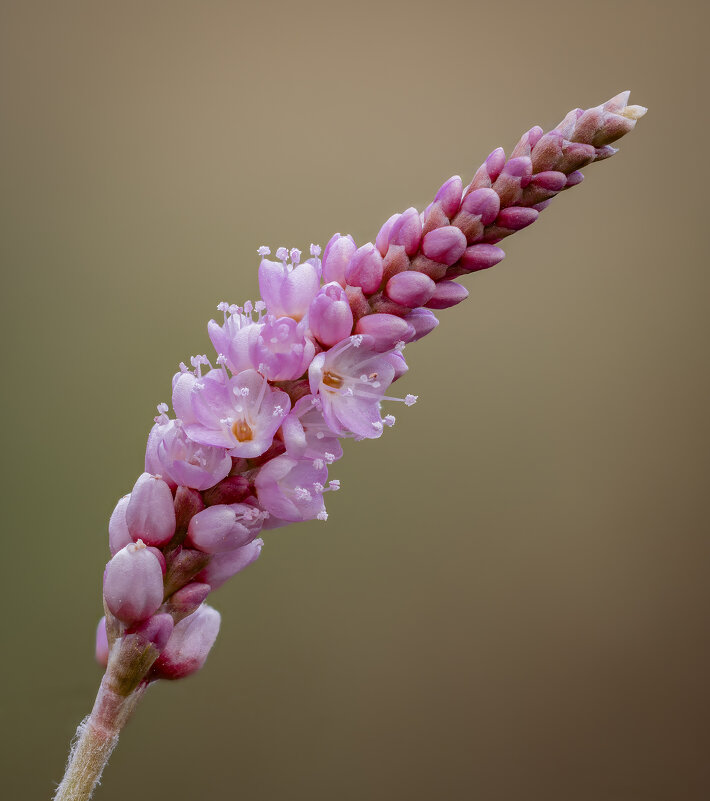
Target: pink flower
column 224, row 527
column 133, row 584
column 189, row 644
column 307, row 435
column 329, row 316
column 291, row 489
column 281, row 350
column 172, row 454
column 241, row 413
column 234, row 338
column 350, row 380
column 288, row 287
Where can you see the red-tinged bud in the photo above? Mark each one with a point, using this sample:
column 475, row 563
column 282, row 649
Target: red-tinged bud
column 575, row 156
column 150, row 514
column 422, row 321
column 365, row 269
column 224, row 527
column 396, row 261
column 183, row 565
column 481, row 257
column 189, row 645
column 433, row 217
column 133, row 584
column 223, row 566
column 386, row 330
column 188, row 502
column 551, row 180
column 155, row 631
column 495, row 162
column 444, row 245
column 516, row 218
column 573, row 179
column 186, row 600
column 407, row 231
column 102, row 648
column 449, row 196
column 448, row 293
column 514, row 177
column 412, row 288
column 118, row 533
column 233, row 489
column 358, row 302
column 158, row 554
column 336, row 258
column 382, row 240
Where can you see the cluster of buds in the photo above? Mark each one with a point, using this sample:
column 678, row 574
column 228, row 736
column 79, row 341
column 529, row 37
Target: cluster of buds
column 255, row 433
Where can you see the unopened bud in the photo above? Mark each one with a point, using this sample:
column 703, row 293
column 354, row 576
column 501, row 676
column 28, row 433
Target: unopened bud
column 189, row 645
column 412, row 288
column 223, row 566
column 365, row 269
column 336, row 258
column 386, row 330
column 186, row 600
column 118, row 534
column 150, row 514
column 422, row 321
column 448, row 293
column 133, row 584
column 224, row 527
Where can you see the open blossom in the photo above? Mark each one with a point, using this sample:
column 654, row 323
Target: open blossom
column 173, row 455
column 351, row 379
column 291, row 489
column 241, row 413
column 307, row 435
column 281, row 350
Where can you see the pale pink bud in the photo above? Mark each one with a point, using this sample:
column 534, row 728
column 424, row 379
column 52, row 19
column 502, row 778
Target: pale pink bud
column 118, row 534
column 189, row 645
column 444, row 245
column 407, row 231
column 224, row 527
column 330, row 317
column 102, row 643
column 150, row 514
column 386, row 330
column 449, row 196
column 573, row 179
column 133, row 584
column 481, row 257
column 223, row 566
column 382, row 240
column 412, row 288
column 483, row 203
column 422, row 321
column 448, row 293
column 336, row 258
column 158, row 554
column 365, row 269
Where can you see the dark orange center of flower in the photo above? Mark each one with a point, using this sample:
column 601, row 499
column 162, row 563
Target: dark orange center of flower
column 332, row 380
column 242, row 430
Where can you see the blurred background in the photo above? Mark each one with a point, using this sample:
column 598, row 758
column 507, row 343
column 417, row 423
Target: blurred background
column 510, row 598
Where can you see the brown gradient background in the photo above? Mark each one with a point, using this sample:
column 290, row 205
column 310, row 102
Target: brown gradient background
column 510, row 599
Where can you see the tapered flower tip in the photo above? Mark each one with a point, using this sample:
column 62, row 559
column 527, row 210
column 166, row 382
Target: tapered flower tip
column 150, row 514
column 223, row 566
column 422, row 321
column 156, row 630
column 102, row 643
column 336, row 258
column 133, row 584
column 189, row 645
column 118, row 534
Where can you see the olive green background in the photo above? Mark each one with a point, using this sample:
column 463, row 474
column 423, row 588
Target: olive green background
column 510, row 598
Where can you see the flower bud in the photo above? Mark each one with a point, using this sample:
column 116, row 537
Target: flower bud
column 447, row 294
column 336, row 258
column 444, row 245
column 155, row 631
column 422, row 321
column 495, row 163
column 407, row 231
column 516, row 218
column 365, row 269
column 232, row 489
column 133, row 584
column 412, row 288
column 449, row 196
column 186, row 600
column 330, row 317
column 102, row 648
column 386, row 330
column 224, row 527
column 223, row 566
column 189, row 645
column 150, row 514
column 480, row 257
column 118, row 533
column 483, row 203
column 382, row 240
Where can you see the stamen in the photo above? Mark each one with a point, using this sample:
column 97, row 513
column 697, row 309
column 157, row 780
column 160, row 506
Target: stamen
column 322, row 515
column 315, row 250
column 282, row 254
column 295, row 256
column 318, row 464
column 264, row 251
column 390, row 420
column 410, row 400
column 334, row 484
